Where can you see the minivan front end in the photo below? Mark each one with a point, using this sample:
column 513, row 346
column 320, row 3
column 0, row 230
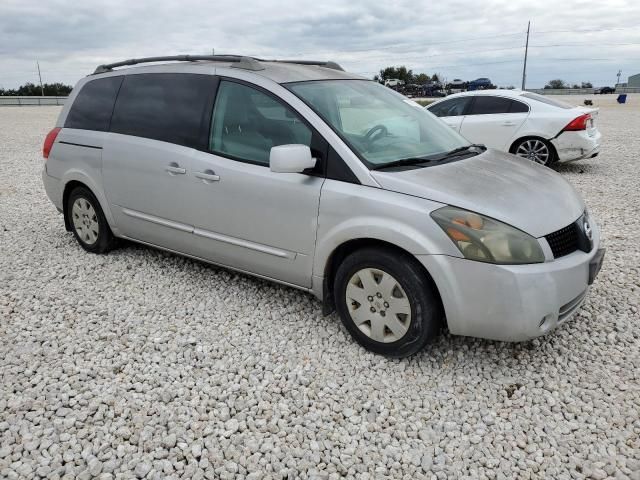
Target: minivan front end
column 514, row 302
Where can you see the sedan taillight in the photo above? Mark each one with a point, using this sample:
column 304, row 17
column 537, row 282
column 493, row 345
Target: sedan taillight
column 48, row 141
column 578, row 123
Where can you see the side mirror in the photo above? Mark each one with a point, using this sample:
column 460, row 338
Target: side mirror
column 291, row 159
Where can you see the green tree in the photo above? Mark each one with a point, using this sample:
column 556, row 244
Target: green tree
column 587, row 85
column 557, row 83
column 421, row 79
column 399, row 73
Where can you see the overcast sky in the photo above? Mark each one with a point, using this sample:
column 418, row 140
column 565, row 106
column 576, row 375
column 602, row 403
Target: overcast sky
column 575, row 41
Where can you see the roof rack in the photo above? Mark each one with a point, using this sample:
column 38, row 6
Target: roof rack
column 239, row 61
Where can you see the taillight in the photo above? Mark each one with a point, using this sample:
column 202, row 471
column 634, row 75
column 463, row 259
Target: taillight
column 578, row 123
column 48, row 141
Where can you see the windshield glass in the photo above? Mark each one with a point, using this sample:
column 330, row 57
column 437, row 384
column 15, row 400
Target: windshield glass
column 380, row 125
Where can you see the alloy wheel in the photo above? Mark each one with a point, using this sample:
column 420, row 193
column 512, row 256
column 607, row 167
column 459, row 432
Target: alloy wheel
column 85, row 221
column 535, row 150
column 378, row 305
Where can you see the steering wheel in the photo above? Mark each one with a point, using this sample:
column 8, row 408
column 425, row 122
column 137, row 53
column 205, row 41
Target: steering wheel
column 376, row 133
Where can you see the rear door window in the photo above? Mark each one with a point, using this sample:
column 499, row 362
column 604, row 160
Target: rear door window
column 487, row 105
column 170, row 107
column 450, row 108
column 93, row 106
column 518, row 107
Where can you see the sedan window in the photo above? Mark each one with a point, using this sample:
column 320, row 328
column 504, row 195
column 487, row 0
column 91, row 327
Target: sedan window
column 450, row 108
column 487, row 105
column 518, row 107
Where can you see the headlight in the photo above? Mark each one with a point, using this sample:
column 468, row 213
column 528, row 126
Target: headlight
column 487, row 240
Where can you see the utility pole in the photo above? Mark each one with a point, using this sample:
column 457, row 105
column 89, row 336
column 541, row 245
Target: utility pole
column 526, row 51
column 619, row 73
column 40, row 76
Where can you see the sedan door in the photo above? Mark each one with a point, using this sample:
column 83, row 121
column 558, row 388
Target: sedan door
column 451, row 111
column 246, row 216
column 493, row 121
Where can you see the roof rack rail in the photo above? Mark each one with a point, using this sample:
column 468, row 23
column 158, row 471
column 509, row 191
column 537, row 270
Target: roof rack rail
column 239, row 61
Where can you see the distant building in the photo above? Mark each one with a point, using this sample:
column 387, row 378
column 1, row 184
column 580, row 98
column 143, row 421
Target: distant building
column 634, row 81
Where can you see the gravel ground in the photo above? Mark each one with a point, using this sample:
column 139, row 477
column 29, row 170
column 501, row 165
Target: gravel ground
column 148, row 365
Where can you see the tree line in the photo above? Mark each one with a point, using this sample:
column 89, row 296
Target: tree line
column 406, row 75
column 32, row 90
column 560, row 84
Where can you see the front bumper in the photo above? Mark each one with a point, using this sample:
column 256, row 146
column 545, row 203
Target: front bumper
column 571, row 146
column 511, row 302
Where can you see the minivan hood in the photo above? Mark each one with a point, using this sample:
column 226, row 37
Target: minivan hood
column 514, row 190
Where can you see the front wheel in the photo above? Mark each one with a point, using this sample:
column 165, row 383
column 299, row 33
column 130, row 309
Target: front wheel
column 386, row 302
column 536, row 150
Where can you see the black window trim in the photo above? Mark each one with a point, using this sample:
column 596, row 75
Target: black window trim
column 113, row 106
column 512, row 100
column 318, row 170
column 203, row 134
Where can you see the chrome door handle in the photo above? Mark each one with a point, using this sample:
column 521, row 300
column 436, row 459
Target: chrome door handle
column 208, row 176
column 176, row 170
column 508, row 124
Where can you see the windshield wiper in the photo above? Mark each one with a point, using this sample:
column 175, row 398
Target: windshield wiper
column 404, row 162
column 473, row 148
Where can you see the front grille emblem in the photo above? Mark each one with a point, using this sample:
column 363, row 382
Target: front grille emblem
column 587, row 230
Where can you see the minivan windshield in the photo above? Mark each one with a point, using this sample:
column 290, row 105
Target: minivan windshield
column 380, row 125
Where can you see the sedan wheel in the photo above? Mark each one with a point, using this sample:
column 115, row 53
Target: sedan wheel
column 535, row 150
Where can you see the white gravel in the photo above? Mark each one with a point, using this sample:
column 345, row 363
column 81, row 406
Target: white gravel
column 143, row 364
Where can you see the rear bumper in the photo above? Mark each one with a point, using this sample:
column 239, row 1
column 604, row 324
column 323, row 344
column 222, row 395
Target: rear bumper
column 571, row 146
column 53, row 188
column 511, row 302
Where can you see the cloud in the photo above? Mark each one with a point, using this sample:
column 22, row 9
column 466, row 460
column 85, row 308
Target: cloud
column 456, row 38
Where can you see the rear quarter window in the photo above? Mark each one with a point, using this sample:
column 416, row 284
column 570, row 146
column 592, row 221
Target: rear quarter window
column 93, row 106
column 170, row 107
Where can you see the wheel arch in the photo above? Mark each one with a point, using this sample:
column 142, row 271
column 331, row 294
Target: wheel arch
column 75, row 179
column 350, row 246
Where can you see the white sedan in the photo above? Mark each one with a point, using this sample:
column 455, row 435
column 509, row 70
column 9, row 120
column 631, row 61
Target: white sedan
column 533, row 126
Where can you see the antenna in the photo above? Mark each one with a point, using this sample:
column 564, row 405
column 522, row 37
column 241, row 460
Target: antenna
column 526, row 51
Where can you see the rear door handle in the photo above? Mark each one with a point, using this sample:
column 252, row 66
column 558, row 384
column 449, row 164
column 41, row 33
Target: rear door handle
column 508, row 124
column 208, row 176
column 175, row 169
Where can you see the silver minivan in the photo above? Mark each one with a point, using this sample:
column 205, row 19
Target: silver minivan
column 301, row 173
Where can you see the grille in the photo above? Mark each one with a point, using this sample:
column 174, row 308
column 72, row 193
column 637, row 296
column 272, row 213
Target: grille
column 564, row 241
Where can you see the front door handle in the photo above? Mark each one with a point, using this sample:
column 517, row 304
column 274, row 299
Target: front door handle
column 175, row 169
column 208, row 176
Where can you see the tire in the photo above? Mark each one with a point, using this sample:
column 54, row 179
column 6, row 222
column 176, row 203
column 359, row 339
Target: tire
column 535, row 149
column 87, row 221
column 418, row 312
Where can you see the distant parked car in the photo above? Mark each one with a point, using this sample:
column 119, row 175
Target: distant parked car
column 480, row 84
column 604, row 90
column 529, row 125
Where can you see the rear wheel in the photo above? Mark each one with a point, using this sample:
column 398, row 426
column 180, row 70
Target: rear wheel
column 536, row 150
column 386, row 302
column 88, row 223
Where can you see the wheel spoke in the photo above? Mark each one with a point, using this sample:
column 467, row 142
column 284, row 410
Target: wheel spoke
column 396, row 326
column 356, row 293
column 387, row 285
column 368, row 281
column 360, row 315
column 377, row 329
column 400, row 306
